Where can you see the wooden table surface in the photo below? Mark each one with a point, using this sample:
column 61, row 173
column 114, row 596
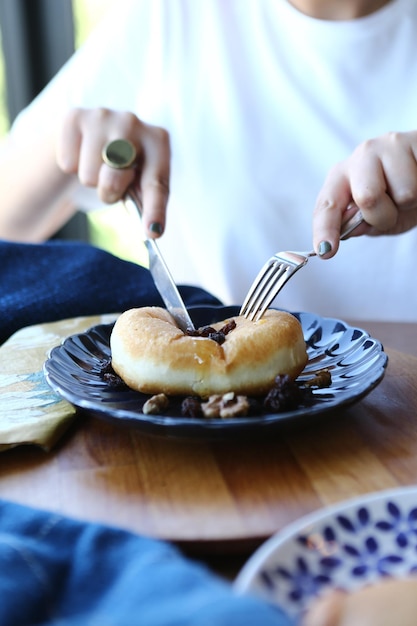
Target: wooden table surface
column 222, row 499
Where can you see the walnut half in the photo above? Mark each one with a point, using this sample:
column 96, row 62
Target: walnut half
column 155, row 404
column 225, row 406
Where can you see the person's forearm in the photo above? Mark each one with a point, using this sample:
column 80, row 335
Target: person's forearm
column 34, row 193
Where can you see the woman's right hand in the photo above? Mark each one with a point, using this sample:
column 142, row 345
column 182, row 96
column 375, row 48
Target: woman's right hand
column 80, row 141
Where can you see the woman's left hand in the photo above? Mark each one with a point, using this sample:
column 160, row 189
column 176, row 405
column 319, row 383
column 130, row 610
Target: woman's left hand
column 380, row 177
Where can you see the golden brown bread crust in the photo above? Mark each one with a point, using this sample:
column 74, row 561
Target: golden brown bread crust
column 152, row 355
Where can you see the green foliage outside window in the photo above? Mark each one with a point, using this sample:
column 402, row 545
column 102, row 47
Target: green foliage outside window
column 87, row 14
column 109, row 228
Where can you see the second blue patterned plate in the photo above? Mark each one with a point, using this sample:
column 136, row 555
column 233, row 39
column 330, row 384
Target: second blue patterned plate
column 345, row 546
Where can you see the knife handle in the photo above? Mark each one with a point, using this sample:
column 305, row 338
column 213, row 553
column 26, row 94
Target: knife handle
column 133, row 203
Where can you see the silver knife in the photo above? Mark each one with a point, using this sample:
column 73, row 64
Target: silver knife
column 160, row 272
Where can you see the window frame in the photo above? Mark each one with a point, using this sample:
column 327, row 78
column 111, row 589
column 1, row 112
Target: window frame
column 37, row 39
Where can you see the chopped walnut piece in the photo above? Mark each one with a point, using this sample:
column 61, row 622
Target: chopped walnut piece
column 211, row 408
column 225, row 406
column 321, row 379
column 155, row 404
column 239, row 407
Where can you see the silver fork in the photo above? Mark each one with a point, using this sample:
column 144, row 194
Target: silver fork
column 278, row 270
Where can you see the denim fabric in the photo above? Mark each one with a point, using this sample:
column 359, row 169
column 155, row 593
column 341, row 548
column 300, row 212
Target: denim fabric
column 62, row 572
column 60, row 279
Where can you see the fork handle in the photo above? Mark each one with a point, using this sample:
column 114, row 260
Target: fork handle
column 349, row 225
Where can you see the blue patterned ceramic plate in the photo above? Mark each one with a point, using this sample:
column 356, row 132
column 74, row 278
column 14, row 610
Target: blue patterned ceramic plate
column 356, row 361
column 344, row 546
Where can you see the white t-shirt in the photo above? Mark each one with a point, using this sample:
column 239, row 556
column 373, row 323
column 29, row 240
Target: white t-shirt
column 260, row 101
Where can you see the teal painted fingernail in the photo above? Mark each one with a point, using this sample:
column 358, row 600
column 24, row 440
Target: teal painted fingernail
column 324, row 247
column 156, row 228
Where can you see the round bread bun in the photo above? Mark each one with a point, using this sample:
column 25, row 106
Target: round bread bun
column 152, row 355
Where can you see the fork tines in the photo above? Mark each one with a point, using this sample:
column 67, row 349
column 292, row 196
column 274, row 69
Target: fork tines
column 265, row 288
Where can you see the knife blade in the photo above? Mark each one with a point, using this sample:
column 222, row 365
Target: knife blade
column 160, row 272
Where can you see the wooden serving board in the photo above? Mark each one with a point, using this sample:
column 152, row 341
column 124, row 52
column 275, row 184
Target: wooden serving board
column 223, row 497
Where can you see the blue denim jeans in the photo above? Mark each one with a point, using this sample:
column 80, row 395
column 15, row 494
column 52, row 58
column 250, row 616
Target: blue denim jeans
column 58, row 571
column 51, row 281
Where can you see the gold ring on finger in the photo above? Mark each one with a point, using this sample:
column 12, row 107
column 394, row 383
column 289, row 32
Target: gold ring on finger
column 119, row 154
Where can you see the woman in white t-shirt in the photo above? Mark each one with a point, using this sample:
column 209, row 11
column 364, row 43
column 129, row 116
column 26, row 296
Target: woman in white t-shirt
column 258, row 99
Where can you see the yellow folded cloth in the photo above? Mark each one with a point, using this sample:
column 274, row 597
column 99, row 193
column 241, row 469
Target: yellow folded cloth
column 30, row 412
